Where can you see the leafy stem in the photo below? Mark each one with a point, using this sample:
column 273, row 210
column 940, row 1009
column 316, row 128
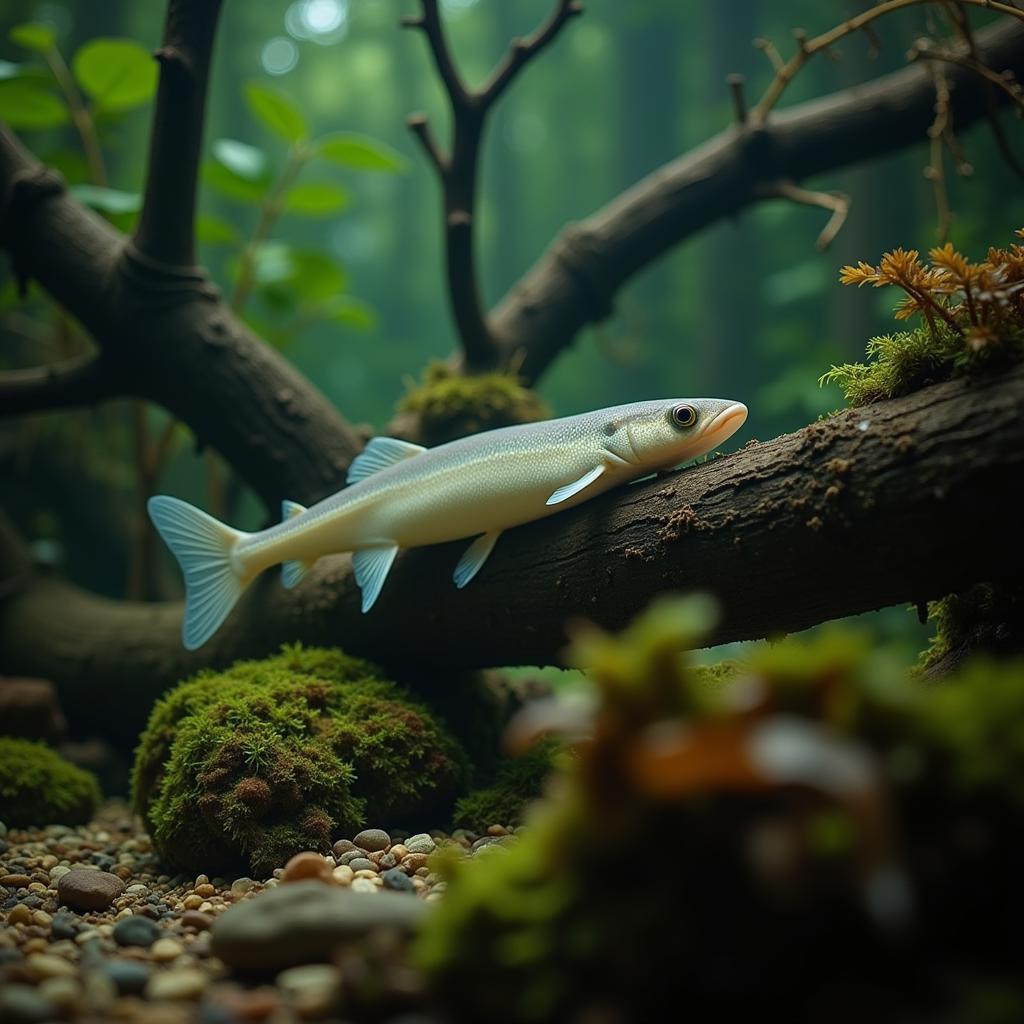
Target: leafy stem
column 81, row 117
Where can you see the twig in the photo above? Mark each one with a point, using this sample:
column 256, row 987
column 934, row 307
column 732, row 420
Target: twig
column 739, row 99
column 838, row 202
column 935, row 172
column 80, row 116
column 457, row 169
column 81, row 381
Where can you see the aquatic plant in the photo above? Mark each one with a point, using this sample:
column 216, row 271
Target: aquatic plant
column 973, row 317
column 249, row 766
column 450, row 405
column 39, row 787
column 816, row 814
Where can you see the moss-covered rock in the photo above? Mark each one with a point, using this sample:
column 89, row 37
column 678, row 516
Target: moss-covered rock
column 518, row 782
column 448, row 405
column 38, row 787
column 246, row 767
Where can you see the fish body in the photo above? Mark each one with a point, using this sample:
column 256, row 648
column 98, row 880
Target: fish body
column 401, row 495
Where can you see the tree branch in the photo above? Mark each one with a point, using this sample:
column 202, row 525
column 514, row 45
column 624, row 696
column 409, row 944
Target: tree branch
column 871, row 507
column 574, row 282
column 166, row 227
column 82, row 381
column 457, row 170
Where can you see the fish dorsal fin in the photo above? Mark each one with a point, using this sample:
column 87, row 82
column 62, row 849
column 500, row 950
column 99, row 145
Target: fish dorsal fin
column 474, row 557
column 372, row 566
column 379, row 453
column 290, row 509
column 566, row 491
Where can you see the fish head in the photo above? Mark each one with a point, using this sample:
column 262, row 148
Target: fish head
column 662, row 434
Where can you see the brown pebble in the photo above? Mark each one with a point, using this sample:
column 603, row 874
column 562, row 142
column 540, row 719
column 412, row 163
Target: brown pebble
column 192, row 902
column 205, row 890
column 86, row 889
column 343, row 846
column 196, row 919
column 375, row 857
column 414, row 861
column 306, row 865
column 19, row 914
column 398, row 851
column 497, row 830
column 372, row 839
column 16, row 881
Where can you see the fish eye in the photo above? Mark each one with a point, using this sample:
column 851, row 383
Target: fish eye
column 684, row 415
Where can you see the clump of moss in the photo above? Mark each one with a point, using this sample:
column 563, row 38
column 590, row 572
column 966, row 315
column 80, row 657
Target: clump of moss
column 38, row 787
column 249, row 766
column 973, row 317
column 775, row 828
column 450, row 405
column 518, row 782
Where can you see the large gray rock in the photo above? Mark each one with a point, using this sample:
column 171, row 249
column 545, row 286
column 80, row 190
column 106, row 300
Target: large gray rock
column 304, row 922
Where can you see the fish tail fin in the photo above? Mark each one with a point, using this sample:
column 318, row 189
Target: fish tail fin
column 203, row 547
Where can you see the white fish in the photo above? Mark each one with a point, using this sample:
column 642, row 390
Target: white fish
column 403, row 496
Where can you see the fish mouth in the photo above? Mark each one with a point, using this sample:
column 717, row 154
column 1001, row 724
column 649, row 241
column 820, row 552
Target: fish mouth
column 727, row 422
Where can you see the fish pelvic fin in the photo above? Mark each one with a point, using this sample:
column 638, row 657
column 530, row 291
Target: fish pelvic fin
column 292, row 572
column 203, row 547
column 372, row 566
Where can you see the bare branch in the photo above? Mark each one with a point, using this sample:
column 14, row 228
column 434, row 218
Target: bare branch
column 837, row 202
column 736, row 85
column 76, row 382
column 166, row 228
column 523, row 50
column 420, row 127
column 429, row 23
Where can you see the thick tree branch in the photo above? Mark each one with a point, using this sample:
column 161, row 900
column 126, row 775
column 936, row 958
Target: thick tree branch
column 458, row 169
column 166, row 228
column 85, row 380
column 574, row 282
column 872, row 507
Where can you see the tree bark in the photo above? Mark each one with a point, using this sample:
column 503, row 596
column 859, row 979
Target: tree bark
column 902, row 501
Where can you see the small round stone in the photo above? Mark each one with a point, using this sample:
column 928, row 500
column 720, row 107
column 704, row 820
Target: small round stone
column 192, row 902
column 196, row 919
column 46, row 965
column 343, row 874
column 64, row 926
column 64, row 992
column 128, row 977
column 184, row 983
column 19, row 914
column 87, row 889
column 395, row 878
column 343, row 846
column 421, row 843
column 136, row 931
column 240, row 886
column 22, row 1004
column 363, row 885
column 306, row 865
column 414, row 861
column 358, row 864
column 15, row 881
column 164, row 950
column 497, row 830
column 372, row 839
column 313, row 989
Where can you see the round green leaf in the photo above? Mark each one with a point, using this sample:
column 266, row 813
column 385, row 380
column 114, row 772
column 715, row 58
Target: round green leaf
column 242, row 159
column 276, row 111
column 25, row 104
column 118, row 74
column 360, row 152
column 352, row 313
column 316, row 277
column 231, row 185
column 215, row 230
column 107, row 200
column 316, row 199
column 34, row 35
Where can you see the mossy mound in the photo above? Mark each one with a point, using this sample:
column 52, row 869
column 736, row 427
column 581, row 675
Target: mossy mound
column 246, row 767
column 824, row 832
column 449, row 405
column 518, row 782
column 38, row 787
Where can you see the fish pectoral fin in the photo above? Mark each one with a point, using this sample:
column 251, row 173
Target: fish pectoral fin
column 379, row 453
column 290, row 509
column 372, row 566
column 567, row 491
column 292, row 573
column 474, row 557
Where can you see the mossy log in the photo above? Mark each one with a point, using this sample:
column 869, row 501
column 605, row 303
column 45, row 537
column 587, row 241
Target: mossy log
column 902, row 501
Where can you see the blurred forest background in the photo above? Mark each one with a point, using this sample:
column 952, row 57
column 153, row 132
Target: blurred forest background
column 350, row 281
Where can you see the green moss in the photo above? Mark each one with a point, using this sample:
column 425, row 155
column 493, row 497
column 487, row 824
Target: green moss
column 517, row 783
column 451, row 405
column 249, row 766
column 984, row 617
column 38, row 787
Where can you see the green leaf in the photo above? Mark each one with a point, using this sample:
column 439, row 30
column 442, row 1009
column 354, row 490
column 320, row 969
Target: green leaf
column 34, row 35
column 107, row 200
column 240, row 158
column 118, row 74
column 276, row 111
column 70, row 162
column 8, row 69
column 316, row 199
column 272, row 263
column 25, row 104
column 231, row 185
column 351, row 312
column 360, row 152
column 316, row 277
column 215, row 230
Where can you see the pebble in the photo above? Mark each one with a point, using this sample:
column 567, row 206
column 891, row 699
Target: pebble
column 363, row 885
column 164, row 950
column 16, row 881
column 196, row 919
column 421, row 843
column 19, row 914
column 46, row 965
column 23, row 1004
column 128, row 977
column 64, row 993
column 395, row 878
column 312, row 989
column 88, row 889
column 358, row 864
column 240, row 886
column 305, row 922
column 372, row 840
column 136, row 931
column 305, row 866
column 343, row 846
column 64, row 926
column 183, row 983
